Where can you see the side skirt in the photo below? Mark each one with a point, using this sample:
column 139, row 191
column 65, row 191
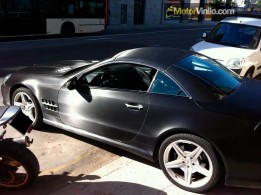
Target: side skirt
column 130, row 148
column 244, row 184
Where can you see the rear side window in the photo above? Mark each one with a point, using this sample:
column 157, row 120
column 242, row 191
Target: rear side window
column 165, row 85
column 211, row 72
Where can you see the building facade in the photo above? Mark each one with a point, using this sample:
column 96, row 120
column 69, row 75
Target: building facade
column 132, row 12
column 150, row 12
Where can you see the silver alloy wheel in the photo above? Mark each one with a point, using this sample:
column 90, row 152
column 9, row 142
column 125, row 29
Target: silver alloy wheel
column 188, row 163
column 26, row 103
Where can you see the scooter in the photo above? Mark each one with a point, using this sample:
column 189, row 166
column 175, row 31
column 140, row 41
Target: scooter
column 18, row 165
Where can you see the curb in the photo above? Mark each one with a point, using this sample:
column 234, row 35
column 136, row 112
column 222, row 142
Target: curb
column 113, row 30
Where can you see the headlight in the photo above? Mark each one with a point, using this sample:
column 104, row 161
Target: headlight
column 6, row 78
column 235, row 63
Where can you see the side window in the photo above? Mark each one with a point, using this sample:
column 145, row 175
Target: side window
column 120, row 76
column 165, row 85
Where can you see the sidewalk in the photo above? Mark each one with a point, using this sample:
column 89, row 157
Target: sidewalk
column 163, row 25
column 146, row 28
column 117, row 30
column 123, row 177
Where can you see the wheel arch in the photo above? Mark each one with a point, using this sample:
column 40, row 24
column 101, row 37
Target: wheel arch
column 171, row 132
column 31, row 92
column 21, row 85
column 17, row 86
column 250, row 69
column 67, row 25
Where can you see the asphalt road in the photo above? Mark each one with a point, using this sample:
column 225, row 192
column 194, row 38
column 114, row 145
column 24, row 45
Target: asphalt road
column 17, row 54
column 64, row 157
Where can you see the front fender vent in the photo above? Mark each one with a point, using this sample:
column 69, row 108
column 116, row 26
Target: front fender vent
column 49, row 105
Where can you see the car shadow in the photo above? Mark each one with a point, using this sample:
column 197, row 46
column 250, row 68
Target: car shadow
column 82, row 184
column 220, row 188
column 104, row 146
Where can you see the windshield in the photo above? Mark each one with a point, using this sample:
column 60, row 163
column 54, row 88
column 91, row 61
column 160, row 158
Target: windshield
column 212, row 72
column 235, row 35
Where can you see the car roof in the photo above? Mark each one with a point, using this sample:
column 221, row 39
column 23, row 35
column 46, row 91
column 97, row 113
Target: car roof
column 243, row 20
column 157, row 57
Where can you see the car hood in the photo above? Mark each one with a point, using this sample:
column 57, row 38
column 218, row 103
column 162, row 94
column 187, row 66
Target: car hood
column 221, row 53
column 57, row 68
column 245, row 102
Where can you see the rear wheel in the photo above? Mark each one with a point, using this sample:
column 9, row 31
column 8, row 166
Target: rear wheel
column 68, row 29
column 18, row 166
column 189, row 162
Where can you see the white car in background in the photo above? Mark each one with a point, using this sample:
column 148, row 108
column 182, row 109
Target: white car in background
column 235, row 43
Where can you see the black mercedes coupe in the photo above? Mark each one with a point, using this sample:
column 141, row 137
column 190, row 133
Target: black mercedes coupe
column 177, row 107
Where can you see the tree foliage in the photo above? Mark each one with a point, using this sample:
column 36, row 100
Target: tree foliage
column 259, row 3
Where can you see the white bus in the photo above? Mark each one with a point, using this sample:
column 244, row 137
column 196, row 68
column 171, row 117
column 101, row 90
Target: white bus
column 27, row 17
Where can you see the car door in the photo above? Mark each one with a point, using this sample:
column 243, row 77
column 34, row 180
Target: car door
column 170, row 108
column 110, row 101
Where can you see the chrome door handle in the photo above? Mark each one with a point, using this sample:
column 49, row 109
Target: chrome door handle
column 134, row 107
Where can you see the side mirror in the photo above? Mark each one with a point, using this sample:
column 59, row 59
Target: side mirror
column 204, row 36
column 72, row 84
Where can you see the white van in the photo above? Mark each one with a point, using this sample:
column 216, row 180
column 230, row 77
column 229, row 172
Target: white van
column 235, row 43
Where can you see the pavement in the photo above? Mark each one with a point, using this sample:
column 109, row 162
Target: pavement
column 124, row 176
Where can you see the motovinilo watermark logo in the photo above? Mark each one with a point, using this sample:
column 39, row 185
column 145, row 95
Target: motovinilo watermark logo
column 172, row 11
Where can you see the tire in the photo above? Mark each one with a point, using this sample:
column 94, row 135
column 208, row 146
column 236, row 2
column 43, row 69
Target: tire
column 35, row 113
column 249, row 73
column 22, row 158
column 189, row 162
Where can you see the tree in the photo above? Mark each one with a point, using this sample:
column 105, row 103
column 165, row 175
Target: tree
column 259, row 4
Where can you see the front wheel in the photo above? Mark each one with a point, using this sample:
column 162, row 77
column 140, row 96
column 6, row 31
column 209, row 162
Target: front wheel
column 24, row 98
column 189, row 162
column 18, row 166
column 250, row 72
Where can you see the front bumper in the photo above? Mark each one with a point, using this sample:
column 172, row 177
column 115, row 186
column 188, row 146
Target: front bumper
column 5, row 91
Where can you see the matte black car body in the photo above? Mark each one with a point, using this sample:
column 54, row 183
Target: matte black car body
column 231, row 123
